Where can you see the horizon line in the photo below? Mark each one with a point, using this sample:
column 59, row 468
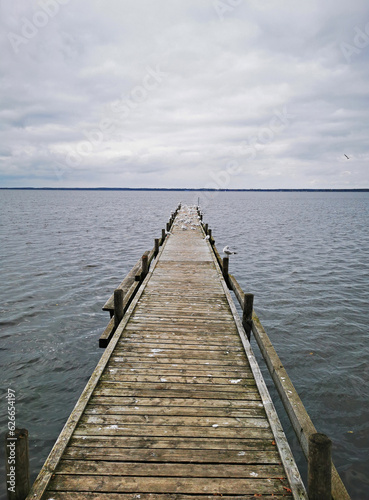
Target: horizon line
column 47, row 188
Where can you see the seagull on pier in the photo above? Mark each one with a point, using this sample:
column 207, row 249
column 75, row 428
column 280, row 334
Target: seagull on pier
column 207, row 237
column 184, row 228
column 228, row 251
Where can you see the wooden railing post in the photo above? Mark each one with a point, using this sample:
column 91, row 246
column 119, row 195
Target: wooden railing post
column 145, row 266
column 17, row 464
column 319, row 467
column 209, row 233
column 225, row 267
column 168, row 226
column 163, row 234
column 118, row 306
column 156, row 247
column 206, row 228
column 248, row 305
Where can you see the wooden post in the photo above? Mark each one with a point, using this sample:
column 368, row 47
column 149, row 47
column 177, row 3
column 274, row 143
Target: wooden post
column 145, row 266
column 201, row 217
column 156, row 247
column 118, row 306
column 319, row 467
column 248, row 304
column 206, row 228
column 168, row 226
column 225, row 267
column 209, row 233
column 17, row 464
column 162, row 236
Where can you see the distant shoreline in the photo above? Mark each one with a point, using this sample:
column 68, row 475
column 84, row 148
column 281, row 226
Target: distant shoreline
column 348, row 190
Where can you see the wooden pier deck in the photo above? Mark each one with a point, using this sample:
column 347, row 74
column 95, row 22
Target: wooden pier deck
column 176, row 407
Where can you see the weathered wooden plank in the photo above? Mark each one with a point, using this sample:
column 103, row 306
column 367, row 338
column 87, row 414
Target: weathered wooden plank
column 214, row 446
column 190, row 392
column 253, row 411
column 172, row 342
column 178, row 401
column 175, row 420
column 118, row 468
column 174, row 431
column 215, row 330
column 196, row 316
column 166, row 352
column 246, row 456
column 166, row 393
column 82, row 495
column 115, row 375
column 143, row 346
column 160, row 301
column 131, row 484
column 179, row 370
column 168, row 336
column 155, row 359
column 115, row 381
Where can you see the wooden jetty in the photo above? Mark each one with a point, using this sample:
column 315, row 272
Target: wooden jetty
column 177, row 407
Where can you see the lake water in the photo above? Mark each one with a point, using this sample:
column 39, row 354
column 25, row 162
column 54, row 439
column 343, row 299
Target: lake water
column 303, row 255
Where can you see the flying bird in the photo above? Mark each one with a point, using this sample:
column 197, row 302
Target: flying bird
column 227, row 250
column 346, row 156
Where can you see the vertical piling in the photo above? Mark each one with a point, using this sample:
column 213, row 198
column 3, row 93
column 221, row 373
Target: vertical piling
column 145, row 266
column 156, row 251
column 17, row 464
column 163, row 236
column 118, row 306
column 225, row 267
column 319, row 467
column 248, row 304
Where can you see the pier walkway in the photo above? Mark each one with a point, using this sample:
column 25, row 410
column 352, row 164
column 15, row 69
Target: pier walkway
column 176, row 407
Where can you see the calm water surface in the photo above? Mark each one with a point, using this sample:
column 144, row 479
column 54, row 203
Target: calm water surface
column 303, row 255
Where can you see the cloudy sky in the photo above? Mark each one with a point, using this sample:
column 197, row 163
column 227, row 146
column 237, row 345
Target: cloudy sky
column 184, row 93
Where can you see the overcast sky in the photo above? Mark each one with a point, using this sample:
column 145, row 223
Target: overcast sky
column 184, row 93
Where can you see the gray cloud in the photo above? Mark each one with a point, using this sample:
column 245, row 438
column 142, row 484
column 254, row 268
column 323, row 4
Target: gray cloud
column 179, row 94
